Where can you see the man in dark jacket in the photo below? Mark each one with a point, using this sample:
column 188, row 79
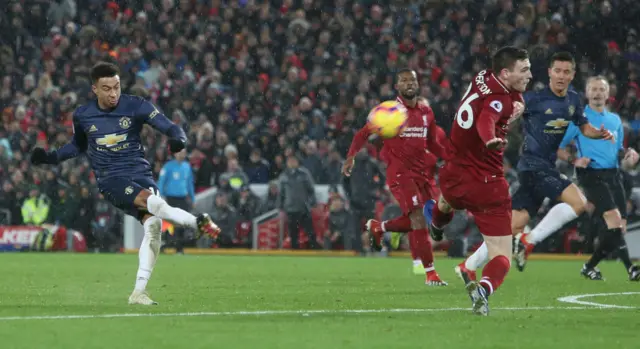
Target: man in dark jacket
column 297, row 198
column 340, row 230
column 362, row 188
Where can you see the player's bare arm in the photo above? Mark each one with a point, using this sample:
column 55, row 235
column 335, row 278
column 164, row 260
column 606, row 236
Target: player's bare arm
column 597, row 133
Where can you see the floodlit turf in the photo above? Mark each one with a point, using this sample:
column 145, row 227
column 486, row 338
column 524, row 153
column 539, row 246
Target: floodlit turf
column 64, row 284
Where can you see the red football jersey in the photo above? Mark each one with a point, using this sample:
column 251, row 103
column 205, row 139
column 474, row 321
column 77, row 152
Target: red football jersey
column 484, row 113
column 406, row 153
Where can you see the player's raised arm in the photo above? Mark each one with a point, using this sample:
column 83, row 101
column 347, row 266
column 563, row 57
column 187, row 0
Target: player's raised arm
column 152, row 116
column 77, row 146
column 358, row 141
column 486, row 124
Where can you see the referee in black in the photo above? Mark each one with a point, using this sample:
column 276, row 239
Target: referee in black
column 598, row 164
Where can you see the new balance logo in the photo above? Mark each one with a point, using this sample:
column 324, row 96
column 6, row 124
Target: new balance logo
column 93, row 128
column 549, row 111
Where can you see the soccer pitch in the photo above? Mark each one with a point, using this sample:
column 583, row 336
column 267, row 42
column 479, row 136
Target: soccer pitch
column 80, row 301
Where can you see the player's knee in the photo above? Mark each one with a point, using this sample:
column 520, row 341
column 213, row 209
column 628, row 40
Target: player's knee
column 574, row 198
column 613, row 219
column 153, row 227
column 499, row 246
column 155, row 204
column 417, row 220
column 519, row 219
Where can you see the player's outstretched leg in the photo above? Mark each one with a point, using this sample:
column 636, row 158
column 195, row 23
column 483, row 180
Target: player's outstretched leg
column 442, row 215
column 376, row 229
column 572, row 205
column 159, row 208
column 147, row 257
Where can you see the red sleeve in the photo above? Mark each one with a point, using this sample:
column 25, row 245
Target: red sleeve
column 489, row 116
column 361, row 137
column 437, row 141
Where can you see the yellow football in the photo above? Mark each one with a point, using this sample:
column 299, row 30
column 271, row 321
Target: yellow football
column 388, row 119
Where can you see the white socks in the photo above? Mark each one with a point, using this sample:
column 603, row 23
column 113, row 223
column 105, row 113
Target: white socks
column 478, row 259
column 417, row 262
column 159, row 208
column 558, row 216
column 149, row 251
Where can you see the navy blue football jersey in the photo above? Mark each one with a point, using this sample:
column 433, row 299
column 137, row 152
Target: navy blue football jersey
column 111, row 138
column 545, row 121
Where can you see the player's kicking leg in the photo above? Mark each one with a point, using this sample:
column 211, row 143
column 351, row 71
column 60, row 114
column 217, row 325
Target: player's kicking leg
column 150, row 247
column 154, row 204
column 573, row 205
column 441, row 216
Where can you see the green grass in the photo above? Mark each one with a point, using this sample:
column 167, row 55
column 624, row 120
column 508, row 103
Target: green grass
column 66, row 284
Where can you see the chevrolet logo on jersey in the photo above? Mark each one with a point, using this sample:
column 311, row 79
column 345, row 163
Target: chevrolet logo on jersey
column 558, row 123
column 557, row 126
column 111, row 140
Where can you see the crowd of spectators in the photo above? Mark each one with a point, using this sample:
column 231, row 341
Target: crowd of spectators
column 254, row 82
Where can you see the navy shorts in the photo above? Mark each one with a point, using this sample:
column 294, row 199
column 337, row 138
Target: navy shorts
column 122, row 191
column 535, row 186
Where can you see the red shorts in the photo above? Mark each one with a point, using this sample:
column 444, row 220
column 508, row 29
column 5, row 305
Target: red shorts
column 411, row 193
column 488, row 200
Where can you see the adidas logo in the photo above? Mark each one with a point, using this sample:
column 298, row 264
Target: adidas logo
column 549, row 111
column 93, row 128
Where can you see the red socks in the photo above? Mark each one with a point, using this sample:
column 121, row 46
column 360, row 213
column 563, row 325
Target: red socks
column 413, row 246
column 440, row 219
column 494, row 273
column 400, row 224
column 420, row 239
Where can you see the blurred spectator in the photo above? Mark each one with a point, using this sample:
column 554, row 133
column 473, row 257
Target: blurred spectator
column 85, row 216
column 234, row 176
column 226, row 218
column 340, row 230
column 362, row 187
column 9, row 203
column 64, row 209
column 35, row 208
column 249, row 205
column 104, row 227
column 271, row 202
column 297, row 197
column 257, row 168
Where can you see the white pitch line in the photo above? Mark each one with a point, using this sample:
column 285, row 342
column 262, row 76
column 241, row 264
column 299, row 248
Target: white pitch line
column 283, row 312
column 575, row 299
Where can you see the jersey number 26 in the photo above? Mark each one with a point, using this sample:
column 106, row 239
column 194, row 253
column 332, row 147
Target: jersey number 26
column 464, row 116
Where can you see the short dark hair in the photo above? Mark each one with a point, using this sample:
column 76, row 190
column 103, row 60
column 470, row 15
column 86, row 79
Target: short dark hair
column 562, row 56
column 402, row 71
column 103, row 70
column 506, row 58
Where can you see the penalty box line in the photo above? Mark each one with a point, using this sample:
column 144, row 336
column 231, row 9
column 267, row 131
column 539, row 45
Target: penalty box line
column 290, row 312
